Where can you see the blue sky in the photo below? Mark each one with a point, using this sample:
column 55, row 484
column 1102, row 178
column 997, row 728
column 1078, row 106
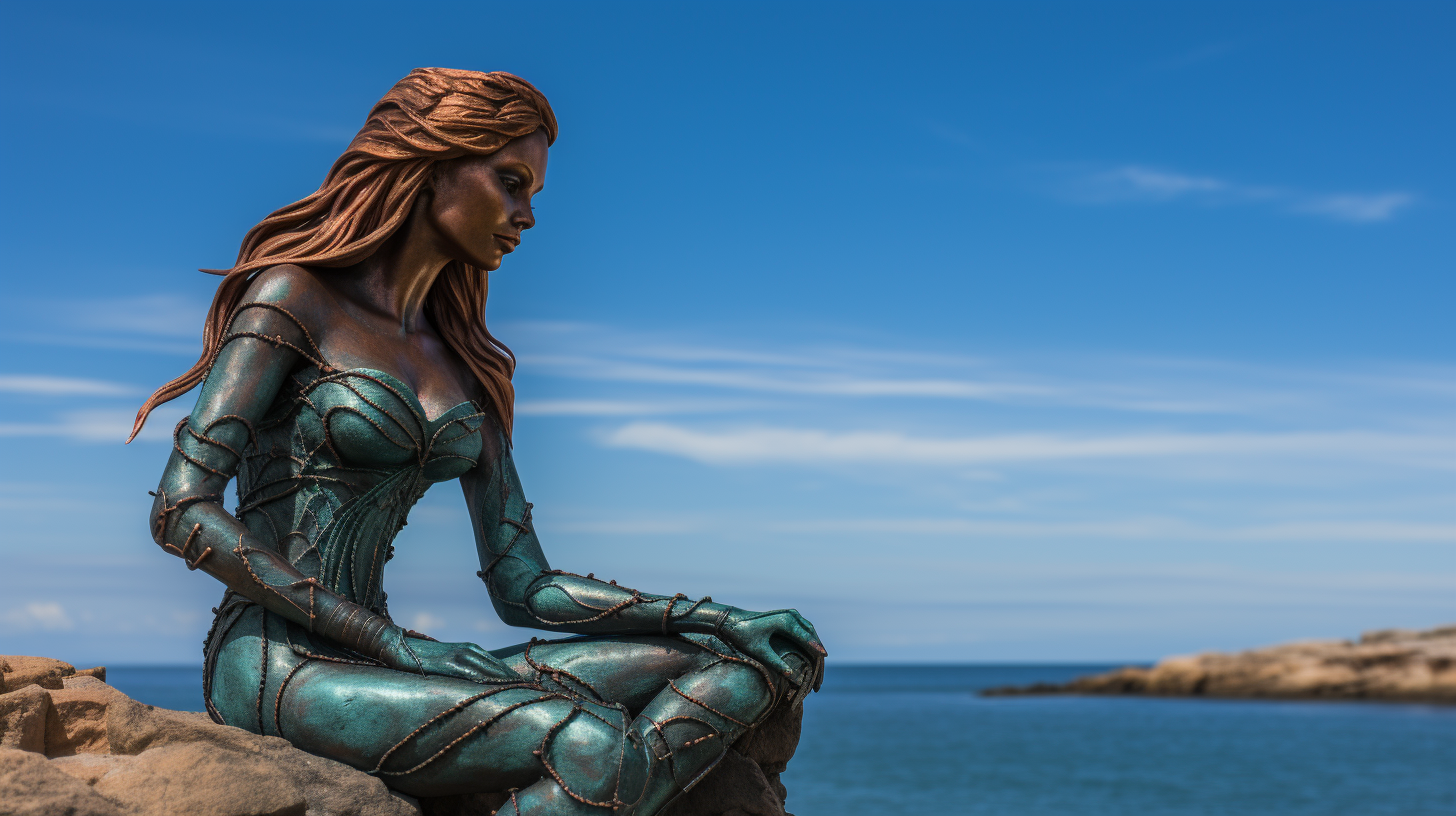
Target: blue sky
column 1004, row 331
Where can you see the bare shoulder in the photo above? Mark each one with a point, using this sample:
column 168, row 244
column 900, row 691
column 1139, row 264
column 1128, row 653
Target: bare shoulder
column 286, row 302
column 291, row 287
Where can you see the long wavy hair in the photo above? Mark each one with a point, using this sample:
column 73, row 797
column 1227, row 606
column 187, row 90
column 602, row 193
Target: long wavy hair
column 432, row 115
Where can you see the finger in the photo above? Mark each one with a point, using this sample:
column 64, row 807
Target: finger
column 488, row 662
column 810, row 627
column 760, row 650
column 805, row 689
column 805, row 686
column 807, row 640
column 774, row 663
column 490, row 666
column 813, row 641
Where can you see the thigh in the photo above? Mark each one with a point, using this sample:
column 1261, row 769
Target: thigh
column 626, row 670
column 431, row 735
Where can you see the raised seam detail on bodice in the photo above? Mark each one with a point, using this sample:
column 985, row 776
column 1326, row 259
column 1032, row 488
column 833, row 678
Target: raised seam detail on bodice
column 337, row 462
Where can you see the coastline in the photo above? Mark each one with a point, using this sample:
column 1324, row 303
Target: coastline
column 1391, row 665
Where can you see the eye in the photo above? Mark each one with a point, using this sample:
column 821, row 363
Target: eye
column 511, row 183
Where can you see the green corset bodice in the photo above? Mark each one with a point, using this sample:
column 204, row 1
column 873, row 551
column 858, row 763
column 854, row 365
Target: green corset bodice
column 337, row 463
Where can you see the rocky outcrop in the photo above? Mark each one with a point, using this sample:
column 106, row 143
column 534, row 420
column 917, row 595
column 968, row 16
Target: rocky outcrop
column 71, row 744
column 1393, row 664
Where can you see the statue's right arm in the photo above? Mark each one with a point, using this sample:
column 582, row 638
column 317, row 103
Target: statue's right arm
column 264, row 343
column 262, row 346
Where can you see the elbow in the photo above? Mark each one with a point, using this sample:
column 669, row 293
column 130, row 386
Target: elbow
column 514, row 614
column 157, row 518
column 512, row 597
column 166, row 529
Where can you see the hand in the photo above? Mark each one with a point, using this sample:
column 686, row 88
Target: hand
column 466, row 661
column 764, row 636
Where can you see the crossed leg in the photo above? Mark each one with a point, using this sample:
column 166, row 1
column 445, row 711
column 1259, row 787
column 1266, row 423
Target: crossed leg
column 596, row 725
column 689, row 698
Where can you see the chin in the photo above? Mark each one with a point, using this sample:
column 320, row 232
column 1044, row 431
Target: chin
column 489, row 263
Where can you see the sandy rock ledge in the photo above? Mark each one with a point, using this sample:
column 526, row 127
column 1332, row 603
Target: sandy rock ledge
column 1397, row 665
column 70, row 745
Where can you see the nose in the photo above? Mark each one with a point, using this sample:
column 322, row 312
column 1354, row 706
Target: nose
column 523, row 218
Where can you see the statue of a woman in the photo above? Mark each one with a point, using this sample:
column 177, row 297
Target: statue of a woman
column 346, row 368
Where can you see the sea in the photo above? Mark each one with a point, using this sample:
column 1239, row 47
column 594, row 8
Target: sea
column 921, row 740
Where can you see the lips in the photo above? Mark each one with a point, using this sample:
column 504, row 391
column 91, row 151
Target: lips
column 509, row 241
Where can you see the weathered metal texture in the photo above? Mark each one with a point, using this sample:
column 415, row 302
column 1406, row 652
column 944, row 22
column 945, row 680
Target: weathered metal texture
column 348, row 314
column 621, row 719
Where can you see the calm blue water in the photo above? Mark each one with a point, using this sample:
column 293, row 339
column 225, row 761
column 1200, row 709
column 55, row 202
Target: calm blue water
column 175, row 687
column 917, row 740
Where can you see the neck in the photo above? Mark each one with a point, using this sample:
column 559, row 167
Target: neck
column 395, row 280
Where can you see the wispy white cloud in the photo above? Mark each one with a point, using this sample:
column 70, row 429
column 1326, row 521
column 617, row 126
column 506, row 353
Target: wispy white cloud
column 426, row 622
column 607, row 407
column 675, row 378
column 813, row 383
column 1143, row 182
column 1134, row 183
column 812, row 446
column 1152, row 528
column 1160, row 529
column 112, row 342
column 158, row 323
column 51, row 386
column 98, row 425
column 47, row 616
column 1357, row 208
column 164, row 315
column 637, row 526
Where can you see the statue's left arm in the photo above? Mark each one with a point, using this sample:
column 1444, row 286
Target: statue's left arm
column 526, row 591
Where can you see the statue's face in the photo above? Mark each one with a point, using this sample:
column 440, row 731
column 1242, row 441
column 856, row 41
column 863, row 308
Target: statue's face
column 481, row 204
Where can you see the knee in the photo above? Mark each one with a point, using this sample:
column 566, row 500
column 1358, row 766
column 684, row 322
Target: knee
column 772, row 680
column 739, row 692
column 583, row 754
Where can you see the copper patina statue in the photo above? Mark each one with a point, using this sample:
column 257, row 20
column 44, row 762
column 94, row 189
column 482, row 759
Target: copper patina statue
column 346, row 369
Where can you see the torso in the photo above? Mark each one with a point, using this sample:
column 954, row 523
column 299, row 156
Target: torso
column 333, row 468
column 358, row 432
column 338, row 462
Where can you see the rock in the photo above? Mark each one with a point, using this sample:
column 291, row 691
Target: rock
column 133, row 727
column 23, row 718
column 20, row 671
column 773, row 742
column 735, row 787
column 86, row 748
column 1393, row 665
column 335, row 788
column 746, row 781
column 465, row 804
column 71, row 744
column 89, row 768
column 201, row 780
column 168, row 743
column 76, row 722
column 32, row 786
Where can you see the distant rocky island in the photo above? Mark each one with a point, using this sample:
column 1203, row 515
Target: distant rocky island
column 71, row 744
column 1396, row 665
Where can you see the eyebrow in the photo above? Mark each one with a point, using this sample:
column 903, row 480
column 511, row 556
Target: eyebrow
column 525, row 170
